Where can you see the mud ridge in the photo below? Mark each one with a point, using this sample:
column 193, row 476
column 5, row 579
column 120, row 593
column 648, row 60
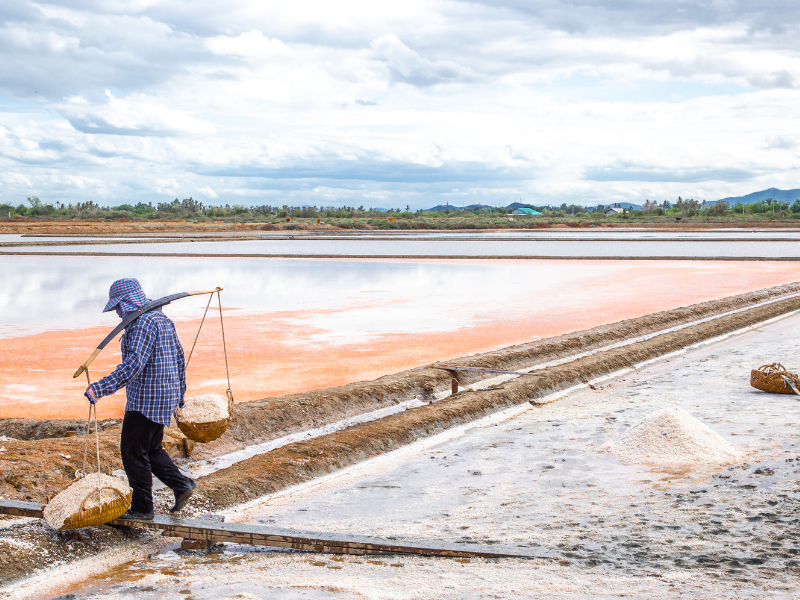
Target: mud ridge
column 300, row 462
column 263, row 420
column 271, row 418
column 39, row 429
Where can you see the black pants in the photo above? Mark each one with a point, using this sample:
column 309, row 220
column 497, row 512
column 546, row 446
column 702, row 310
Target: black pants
column 143, row 457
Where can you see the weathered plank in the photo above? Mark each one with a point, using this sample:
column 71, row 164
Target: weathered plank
column 478, row 370
column 21, row 509
column 260, row 535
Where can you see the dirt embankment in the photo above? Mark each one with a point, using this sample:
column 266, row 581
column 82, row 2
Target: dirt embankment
column 31, row 469
column 271, row 418
column 40, row 225
column 39, row 429
column 89, row 227
column 300, row 462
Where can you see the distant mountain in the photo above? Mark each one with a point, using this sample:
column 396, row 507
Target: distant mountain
column 454, row 207
column 774, row 193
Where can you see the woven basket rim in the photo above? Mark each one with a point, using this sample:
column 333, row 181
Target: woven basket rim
column 99, row 515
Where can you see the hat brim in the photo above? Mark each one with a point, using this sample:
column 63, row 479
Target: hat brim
column 112, row 303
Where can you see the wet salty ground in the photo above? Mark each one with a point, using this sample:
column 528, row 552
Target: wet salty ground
column 598, row 248
column 545, row 480
column 299, row 325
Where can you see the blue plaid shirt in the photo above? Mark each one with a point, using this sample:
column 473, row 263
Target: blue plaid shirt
column 153, row 368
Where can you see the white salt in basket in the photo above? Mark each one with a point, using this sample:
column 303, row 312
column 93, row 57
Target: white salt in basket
column 205, row 418
column 92, row 500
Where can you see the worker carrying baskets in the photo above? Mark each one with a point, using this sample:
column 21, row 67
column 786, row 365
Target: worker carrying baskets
column 153, row 372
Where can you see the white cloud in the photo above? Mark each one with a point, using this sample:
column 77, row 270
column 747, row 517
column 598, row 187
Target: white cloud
column 135, row 115
column 208, row 192
column 398, row 103
column 251, row 44
column 408, row 66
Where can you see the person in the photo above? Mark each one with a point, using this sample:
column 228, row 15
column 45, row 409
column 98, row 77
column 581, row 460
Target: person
column 153, row 373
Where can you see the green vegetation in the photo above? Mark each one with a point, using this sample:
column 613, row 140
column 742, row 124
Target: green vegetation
column 347, row 217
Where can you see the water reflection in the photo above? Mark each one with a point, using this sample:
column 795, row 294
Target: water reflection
column 43, row 293
column 295, row 324
column 484, row 246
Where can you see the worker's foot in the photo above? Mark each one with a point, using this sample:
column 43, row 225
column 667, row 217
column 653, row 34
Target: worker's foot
column 132, row 514
column 181, row 500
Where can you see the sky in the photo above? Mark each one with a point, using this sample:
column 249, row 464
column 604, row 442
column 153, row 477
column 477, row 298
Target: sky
column 395, row 104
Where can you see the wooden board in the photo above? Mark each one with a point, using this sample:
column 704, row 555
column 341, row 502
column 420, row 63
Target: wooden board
column 260, row 535
column 477, row 370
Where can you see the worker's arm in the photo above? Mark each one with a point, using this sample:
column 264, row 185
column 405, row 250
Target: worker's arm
column 139, row 345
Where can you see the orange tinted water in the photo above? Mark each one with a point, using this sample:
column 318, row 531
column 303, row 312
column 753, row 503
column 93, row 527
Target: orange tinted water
column 279, row 352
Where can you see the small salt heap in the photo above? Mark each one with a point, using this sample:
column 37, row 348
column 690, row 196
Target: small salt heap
column 673, row 436
column 68, row 501
column 207, row 408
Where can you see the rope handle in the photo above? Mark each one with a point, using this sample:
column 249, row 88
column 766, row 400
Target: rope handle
column 775, row 367
column 228, row 391
column 82, row 510
column 92, row 408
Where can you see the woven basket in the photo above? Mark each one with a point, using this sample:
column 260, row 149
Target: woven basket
column 99, row 514
column 203, row 432
column 769, row 378
column 206, row 432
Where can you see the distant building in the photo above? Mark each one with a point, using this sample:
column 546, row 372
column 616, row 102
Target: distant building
column 615, row 210
column 525, row 211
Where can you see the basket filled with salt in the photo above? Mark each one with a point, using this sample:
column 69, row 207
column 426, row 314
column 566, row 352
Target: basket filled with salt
column 92, row 500
column 204, row 418
column 774, row 378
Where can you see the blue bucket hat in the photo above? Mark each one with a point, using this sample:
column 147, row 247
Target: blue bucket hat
column 127, row 294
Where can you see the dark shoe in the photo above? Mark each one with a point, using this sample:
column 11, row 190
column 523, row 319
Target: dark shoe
column 180, row 501
column 132, row 514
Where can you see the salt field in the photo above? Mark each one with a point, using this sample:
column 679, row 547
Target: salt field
column 413, row 300
column 296, row 325
column 390, row 246
column 542, row 478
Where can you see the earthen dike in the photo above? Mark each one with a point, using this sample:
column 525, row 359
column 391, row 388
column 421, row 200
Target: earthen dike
column 46, row 453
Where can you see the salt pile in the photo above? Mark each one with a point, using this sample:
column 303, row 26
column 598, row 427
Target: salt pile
column 68, row 501
column 673, row 436
column 207, row 408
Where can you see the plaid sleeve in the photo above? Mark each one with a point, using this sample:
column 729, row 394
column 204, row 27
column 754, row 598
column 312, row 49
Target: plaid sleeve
column 139, row 345
column 182, row 373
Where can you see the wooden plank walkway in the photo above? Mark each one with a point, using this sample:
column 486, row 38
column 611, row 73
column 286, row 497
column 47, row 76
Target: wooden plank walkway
column 259, row 535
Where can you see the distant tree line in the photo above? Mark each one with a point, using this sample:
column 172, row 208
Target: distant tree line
column 191, row 209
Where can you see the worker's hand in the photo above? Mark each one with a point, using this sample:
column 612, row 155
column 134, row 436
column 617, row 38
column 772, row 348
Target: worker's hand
column 89, row 393
column 182, row 403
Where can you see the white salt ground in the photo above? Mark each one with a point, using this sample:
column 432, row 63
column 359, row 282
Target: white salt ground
column 204, row 409
column 68, row 501
column 673, row 436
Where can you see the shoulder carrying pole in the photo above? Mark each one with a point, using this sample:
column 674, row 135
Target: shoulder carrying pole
column 135, row 315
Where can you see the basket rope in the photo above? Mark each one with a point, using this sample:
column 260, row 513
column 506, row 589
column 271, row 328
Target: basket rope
column 107, row 511
column 92, row 410
column 207, row 432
